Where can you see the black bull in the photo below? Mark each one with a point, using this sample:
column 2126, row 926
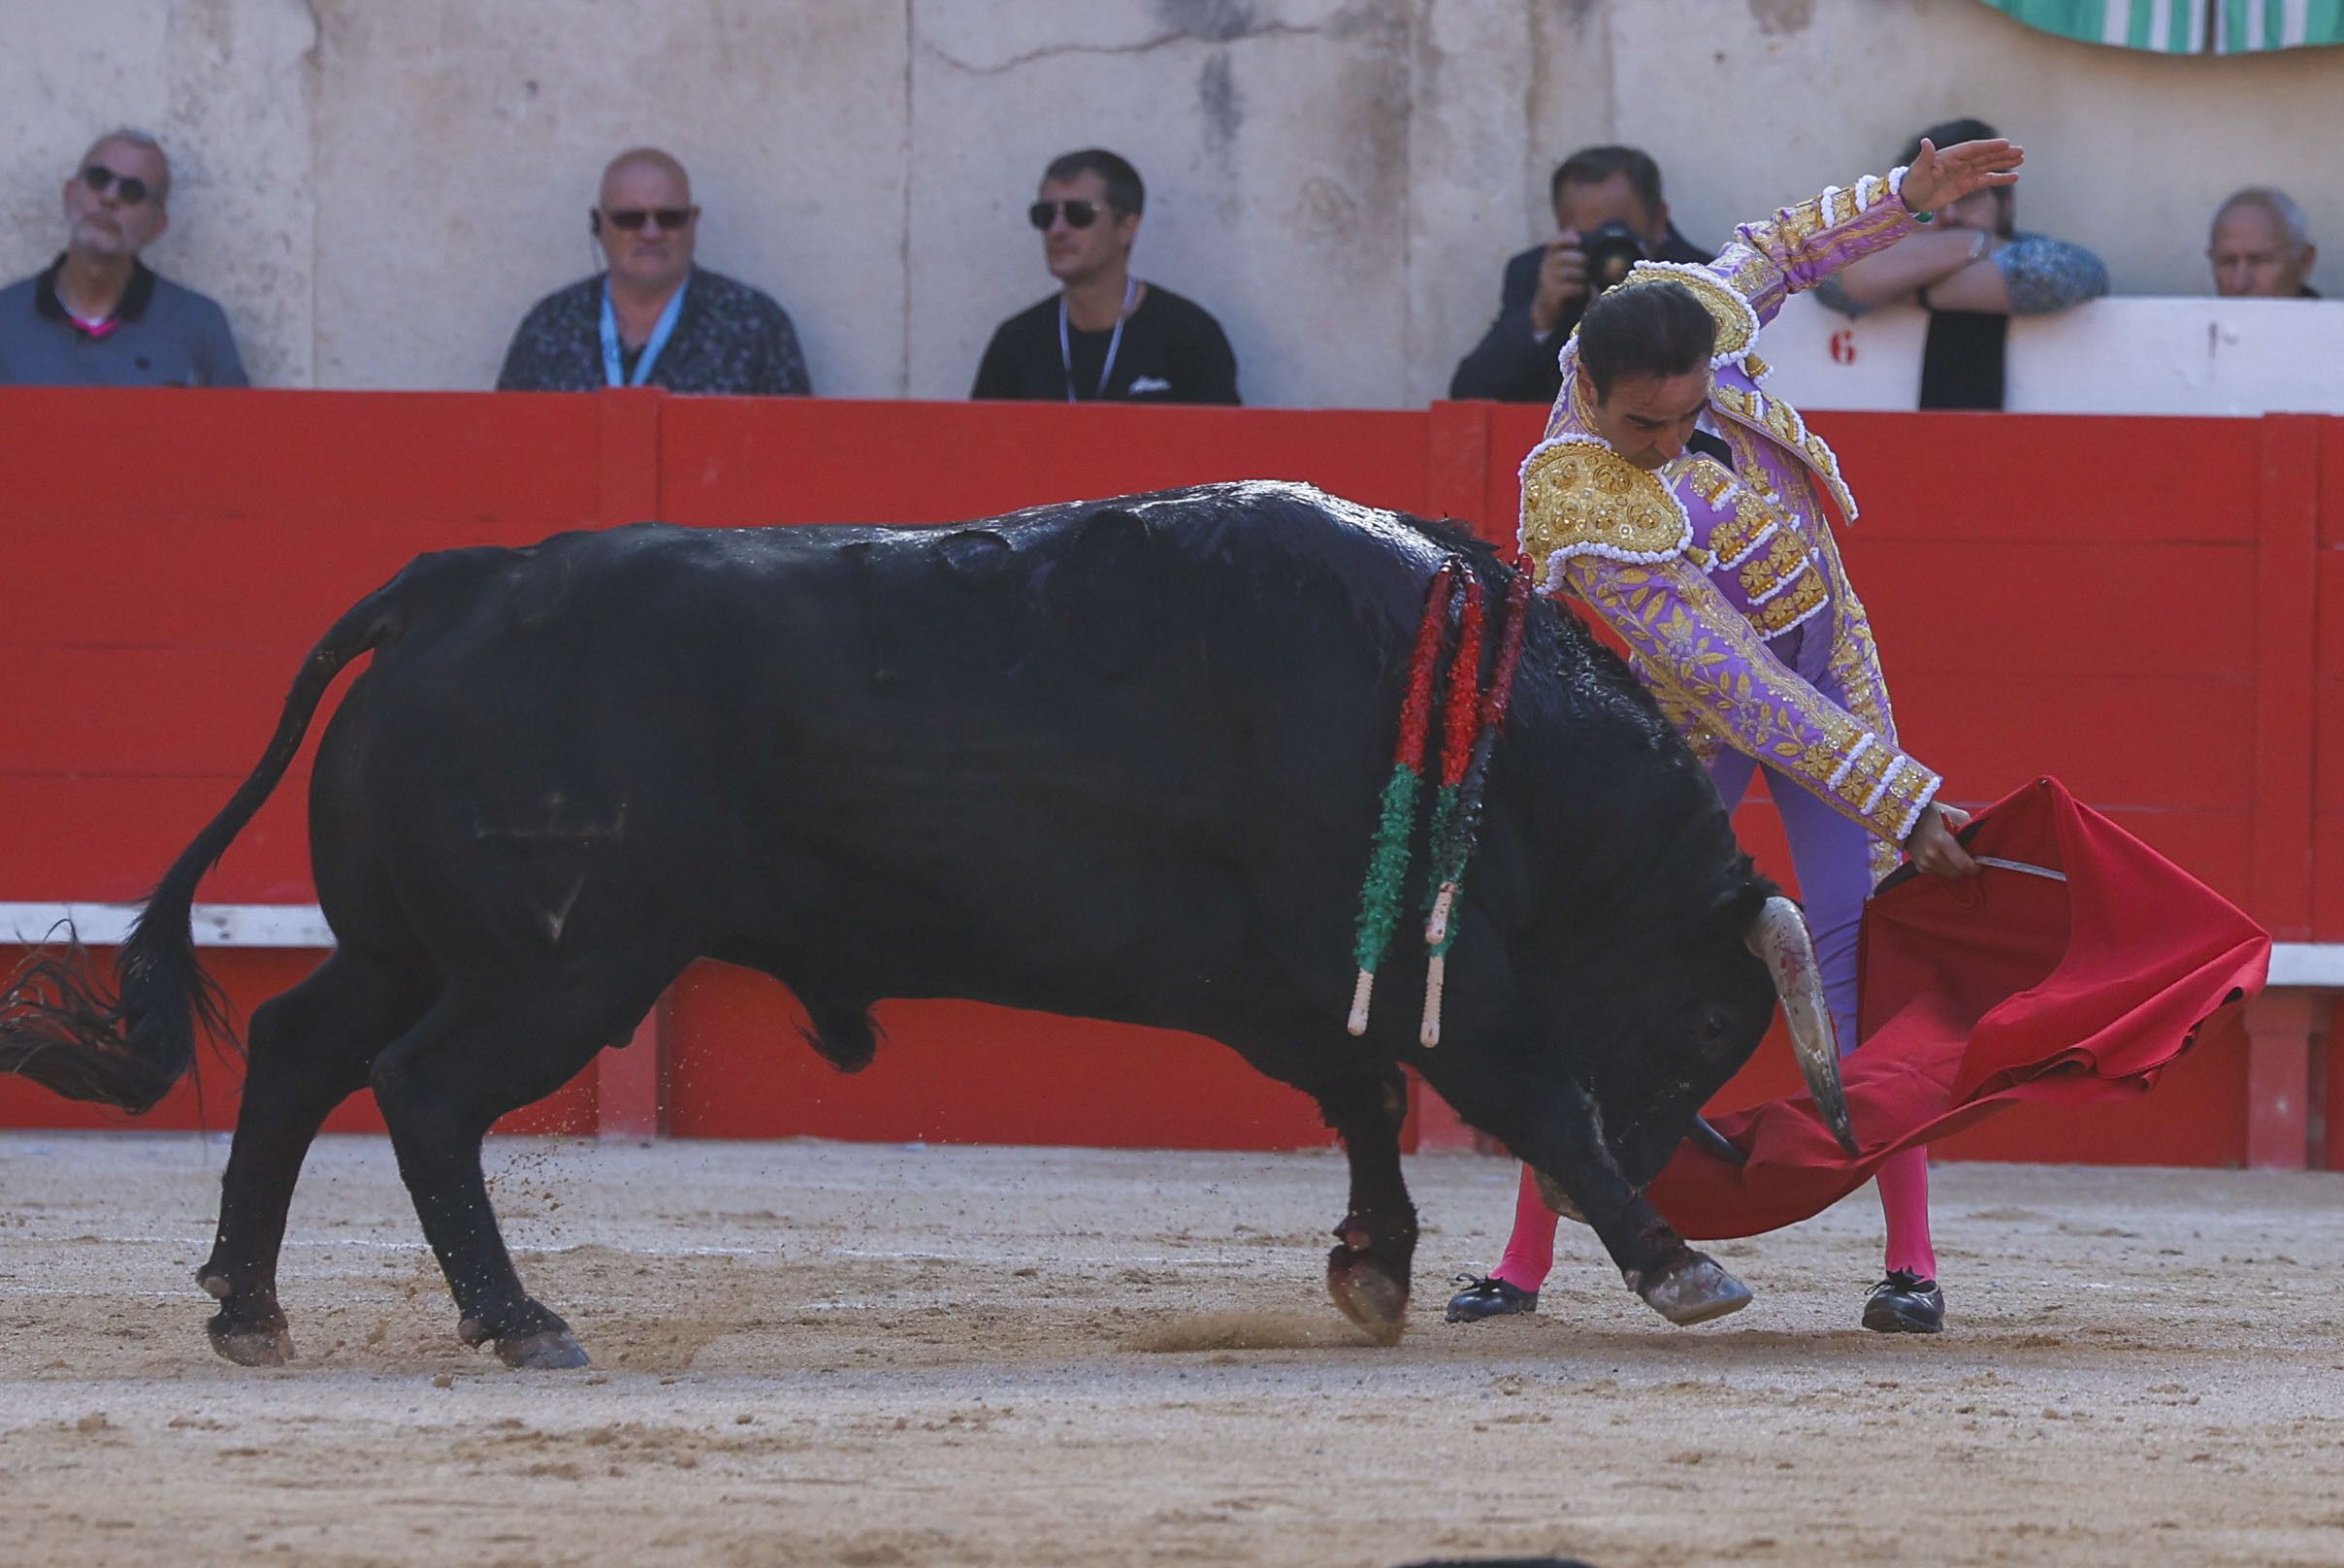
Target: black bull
column 1116, row 760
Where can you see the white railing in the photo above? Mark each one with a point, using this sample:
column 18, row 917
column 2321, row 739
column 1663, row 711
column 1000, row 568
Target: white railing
column 2128, row 356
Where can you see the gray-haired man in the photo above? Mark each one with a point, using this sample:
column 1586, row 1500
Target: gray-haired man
column 99, row 317
column 2261, row 247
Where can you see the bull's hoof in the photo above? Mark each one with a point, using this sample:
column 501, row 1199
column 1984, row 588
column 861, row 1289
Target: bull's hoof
column 550, row 1349
column 1693, row 1292
column 1368, row 1294
column 251, row 1344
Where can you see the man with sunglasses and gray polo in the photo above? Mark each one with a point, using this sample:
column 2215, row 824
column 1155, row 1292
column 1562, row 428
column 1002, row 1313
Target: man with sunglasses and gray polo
column 653, row 318
column 1105, row 335
column 98, row 315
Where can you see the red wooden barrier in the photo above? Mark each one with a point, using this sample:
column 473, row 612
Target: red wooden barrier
column 2151, row 608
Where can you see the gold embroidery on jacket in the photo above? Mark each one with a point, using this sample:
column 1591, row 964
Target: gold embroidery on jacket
column 1752, row 523
column 1780, row 421
column 1728, row 308
column 1582, row 498
column 1804, row 597
column 1688, row 641
column 1770, row 573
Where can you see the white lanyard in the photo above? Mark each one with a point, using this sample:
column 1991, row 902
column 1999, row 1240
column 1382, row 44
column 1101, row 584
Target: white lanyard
column 612, row 372
column 1066, row 353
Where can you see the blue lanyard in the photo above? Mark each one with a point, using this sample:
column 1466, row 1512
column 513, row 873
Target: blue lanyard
column 1066, row 351
column 660, row 334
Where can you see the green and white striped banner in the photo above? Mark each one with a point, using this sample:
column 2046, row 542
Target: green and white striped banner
column 2186, row 26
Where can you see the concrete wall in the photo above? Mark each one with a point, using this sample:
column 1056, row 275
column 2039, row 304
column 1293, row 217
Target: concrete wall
column 376, row 191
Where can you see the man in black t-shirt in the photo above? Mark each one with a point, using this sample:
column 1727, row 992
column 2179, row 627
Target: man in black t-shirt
column 1105, row 333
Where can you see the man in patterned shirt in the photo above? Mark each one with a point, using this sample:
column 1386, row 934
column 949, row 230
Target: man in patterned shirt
column 1686, row 509
column 654, row 318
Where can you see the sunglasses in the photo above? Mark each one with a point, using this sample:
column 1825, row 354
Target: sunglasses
column 98, row 178
column 631, row 218
column 1079, row 214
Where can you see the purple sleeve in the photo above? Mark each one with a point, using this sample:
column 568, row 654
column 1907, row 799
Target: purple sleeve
column 1703, row 658
column 1800, row 246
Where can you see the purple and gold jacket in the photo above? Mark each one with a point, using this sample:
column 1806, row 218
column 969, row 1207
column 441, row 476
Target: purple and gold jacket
column 1697, row 566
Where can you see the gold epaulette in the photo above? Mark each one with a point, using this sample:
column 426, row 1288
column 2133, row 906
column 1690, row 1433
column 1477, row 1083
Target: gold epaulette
column 1736, row 323
column 1582, row 498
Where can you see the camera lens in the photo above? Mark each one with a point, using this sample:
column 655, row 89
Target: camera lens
column 1612, row 252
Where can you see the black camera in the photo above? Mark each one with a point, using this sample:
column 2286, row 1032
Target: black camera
column 1610, row 249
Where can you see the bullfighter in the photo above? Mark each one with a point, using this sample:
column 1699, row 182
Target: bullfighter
column 1686, row 508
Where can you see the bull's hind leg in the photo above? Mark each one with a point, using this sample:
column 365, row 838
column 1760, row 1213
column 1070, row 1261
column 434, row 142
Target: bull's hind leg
column 1367, row 1272
column 307, row 1051
column 473, row 1058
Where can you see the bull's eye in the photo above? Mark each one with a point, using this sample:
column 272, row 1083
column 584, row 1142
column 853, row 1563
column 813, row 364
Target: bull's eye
column 1715, row 1025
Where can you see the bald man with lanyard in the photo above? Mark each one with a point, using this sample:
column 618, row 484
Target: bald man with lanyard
column 654, row 318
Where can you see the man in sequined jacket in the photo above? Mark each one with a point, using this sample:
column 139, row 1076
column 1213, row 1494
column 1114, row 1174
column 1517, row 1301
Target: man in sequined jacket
column 1686, row 508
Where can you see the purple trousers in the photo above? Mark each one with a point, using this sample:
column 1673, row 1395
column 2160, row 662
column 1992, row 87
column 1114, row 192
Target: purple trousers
column 1833, row 856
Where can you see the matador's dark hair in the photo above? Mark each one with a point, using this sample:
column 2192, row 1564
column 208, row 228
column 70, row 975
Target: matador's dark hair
column 1645, row 329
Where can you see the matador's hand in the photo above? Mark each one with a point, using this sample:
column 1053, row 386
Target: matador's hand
column 1932, row 846
column 1938, row 177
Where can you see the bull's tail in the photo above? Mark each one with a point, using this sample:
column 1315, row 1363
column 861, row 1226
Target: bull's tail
column 126, row 1042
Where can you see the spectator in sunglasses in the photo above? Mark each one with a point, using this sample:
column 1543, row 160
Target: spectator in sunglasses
column 98, row 315
column 1104, row 333
column 652, row 317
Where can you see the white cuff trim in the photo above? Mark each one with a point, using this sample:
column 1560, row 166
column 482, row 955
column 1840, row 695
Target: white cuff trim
column 1847, row 764
column 1879, row 791
column 1912, row 818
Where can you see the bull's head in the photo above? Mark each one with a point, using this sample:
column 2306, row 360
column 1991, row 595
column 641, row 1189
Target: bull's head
column 1654, row 1024
column 1779, row 936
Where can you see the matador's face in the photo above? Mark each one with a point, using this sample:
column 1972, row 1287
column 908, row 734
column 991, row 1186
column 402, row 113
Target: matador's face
column 1647, row 420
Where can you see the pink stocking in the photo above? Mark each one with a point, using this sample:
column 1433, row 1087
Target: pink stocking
column 1905, row 1200
column 1530, row 1250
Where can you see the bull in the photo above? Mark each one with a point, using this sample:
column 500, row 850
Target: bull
column 1116, row 760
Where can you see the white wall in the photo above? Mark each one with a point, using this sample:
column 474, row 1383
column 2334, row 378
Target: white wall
column 378, row 188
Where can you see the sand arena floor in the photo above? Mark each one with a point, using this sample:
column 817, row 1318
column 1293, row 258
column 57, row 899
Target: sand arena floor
column 814, row 1353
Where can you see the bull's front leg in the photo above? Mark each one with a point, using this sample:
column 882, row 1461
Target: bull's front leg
column 1579, row 1178
column 1367, row 1272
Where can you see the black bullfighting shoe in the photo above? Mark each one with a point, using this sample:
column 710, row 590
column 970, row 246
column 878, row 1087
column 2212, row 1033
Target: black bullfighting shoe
column 1485, row 1298
column 1904, row 1304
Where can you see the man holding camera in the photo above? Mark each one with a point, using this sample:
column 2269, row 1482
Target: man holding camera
column 1608, row 209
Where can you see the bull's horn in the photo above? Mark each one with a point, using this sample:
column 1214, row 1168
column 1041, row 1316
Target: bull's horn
column 1779, row 936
